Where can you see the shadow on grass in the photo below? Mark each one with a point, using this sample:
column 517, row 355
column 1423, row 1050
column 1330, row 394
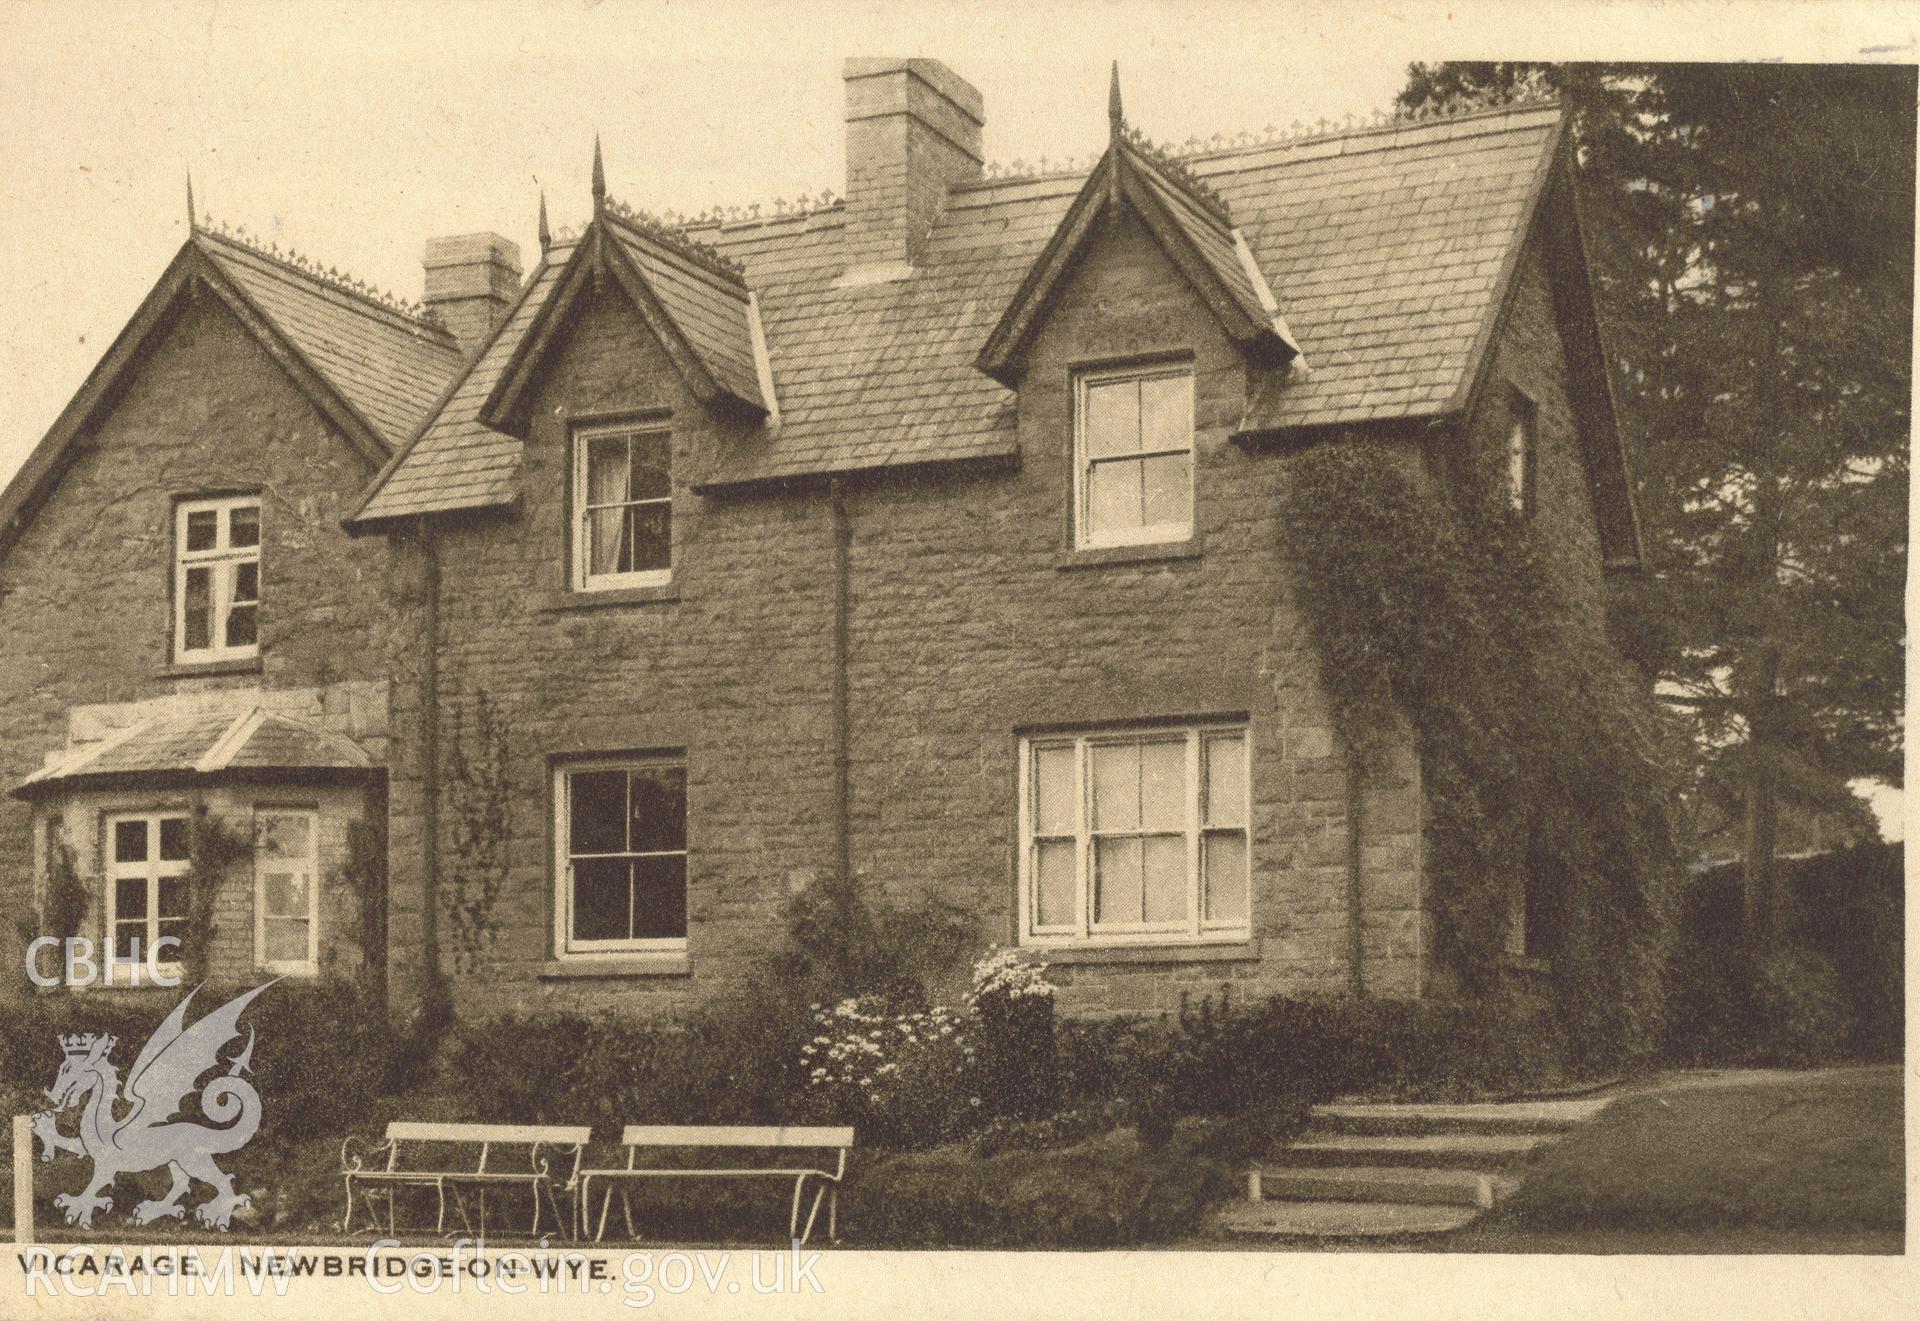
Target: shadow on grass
column 1820, row 1155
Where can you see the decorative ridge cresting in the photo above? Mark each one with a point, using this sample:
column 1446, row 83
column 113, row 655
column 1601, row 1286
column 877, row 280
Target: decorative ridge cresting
column 674, row 238
column 1171, row 166
column 1271, row 136
column 330, row 276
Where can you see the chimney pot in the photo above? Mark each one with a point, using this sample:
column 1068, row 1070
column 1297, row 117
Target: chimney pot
column 913, row 130
column 472, row 279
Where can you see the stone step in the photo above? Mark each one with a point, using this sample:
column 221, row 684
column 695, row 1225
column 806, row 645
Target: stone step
column 1337, row 1219
column 1487, row 1117
column 1391, row 1184
column 1436, row 1150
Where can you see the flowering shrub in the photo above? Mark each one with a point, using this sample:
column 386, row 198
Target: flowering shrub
column 1012, row 1004
column 1005, row 974
column 897, row 1073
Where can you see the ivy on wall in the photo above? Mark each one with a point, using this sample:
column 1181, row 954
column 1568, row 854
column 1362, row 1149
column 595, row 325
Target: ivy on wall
column 363, row 874
column 63, row 904
column 1541, row 755
column 480, row 825
column 213, row 847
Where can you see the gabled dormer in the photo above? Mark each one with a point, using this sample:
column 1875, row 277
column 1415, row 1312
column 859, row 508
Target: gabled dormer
column 695, row 302
column 1188, row 221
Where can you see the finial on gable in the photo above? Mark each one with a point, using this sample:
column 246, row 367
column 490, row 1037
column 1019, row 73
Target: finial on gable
column 192, row 223
column 599, row 177
column 546, row 233
column 1116, row 121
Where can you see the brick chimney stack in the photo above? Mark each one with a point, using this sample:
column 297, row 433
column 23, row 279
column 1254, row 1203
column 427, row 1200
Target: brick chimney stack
column 913, row 128
column 472, row 279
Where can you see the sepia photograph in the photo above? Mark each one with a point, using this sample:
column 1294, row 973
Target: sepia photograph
column 1131, row 658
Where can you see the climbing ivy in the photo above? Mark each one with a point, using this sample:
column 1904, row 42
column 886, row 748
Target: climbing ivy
column 363, row 874
column 213, row 846
column 1540, row 752
column 63, row 904
column 479, row 824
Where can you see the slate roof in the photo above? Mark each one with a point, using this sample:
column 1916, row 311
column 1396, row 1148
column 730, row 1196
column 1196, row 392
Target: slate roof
column 374, row 368
column 1386, row 247
column 458, row 462
column 390, row 366
column 709, row 309
column 200, row 743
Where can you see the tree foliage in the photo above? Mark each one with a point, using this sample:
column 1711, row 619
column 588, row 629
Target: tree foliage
column 1751, row 233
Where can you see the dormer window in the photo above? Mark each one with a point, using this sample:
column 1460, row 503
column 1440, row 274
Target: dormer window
column 623, row 507
column 216, row 584
column 1133, row 455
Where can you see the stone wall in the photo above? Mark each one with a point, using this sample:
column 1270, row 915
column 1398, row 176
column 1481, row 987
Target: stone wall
column 730, row 666
column 970, row 621
column 85, row 593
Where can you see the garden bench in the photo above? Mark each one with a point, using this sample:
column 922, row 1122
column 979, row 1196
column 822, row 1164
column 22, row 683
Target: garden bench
column 639, row 1138
column 462, row 1159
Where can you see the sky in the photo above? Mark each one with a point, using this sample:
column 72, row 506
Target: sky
column 354, row 131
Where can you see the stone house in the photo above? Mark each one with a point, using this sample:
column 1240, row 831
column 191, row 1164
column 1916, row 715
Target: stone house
column 926, row 537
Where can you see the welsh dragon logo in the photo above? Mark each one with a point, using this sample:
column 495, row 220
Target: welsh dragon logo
column 148, row 1133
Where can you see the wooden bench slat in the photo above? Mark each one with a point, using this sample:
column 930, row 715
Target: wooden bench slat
column 565, row 1135
column 699, row 1135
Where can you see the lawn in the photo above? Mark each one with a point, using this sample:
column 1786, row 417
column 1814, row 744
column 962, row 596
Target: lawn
column 1720, row 1164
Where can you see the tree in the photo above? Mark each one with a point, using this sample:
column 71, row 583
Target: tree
column 1751, row 229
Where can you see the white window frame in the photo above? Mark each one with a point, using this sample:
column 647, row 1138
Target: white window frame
column 583, row 579
column 1523, row 450
column 152, row 870
column 565, row 947
column 222, row 562
column 310, row 965
column 1197, row 929
column 1085, row 538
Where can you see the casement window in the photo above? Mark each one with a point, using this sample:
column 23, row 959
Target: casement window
column 216, row 583
column 1133, row 456
column 623, row 507
column 1522, row 441
column 621, row 829
column 146, row 890
column 286, row 891
column 1134, row 836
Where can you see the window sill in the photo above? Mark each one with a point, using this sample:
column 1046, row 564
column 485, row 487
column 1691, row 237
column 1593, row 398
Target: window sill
column 195, row 669
column 1525, row 963
column 653, row 594
column 1235, row 952
column 1152, row 552
column 638, row 965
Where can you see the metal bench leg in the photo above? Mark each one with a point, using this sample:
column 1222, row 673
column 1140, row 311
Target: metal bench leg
column 819, row 1195
column 606, row 1204
column 346, row 1221
column 626, row 1213
column 833, row 1213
